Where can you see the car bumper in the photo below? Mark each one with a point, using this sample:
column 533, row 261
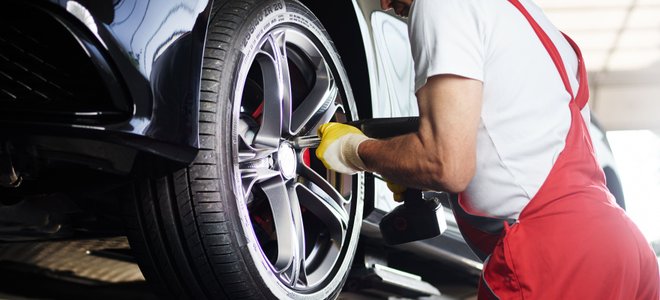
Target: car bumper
column 107, row 73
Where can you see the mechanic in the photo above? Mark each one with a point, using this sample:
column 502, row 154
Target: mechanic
column 502, row 98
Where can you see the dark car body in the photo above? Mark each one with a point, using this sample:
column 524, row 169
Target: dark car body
column 125, row 73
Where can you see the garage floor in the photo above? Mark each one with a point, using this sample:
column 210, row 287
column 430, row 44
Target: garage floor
column 91, row 269
column 96, row 269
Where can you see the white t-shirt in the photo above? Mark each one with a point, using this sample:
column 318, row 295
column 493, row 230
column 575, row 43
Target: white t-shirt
column 525, row 116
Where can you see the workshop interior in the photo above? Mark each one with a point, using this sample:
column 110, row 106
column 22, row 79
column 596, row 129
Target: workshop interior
column 170, row 149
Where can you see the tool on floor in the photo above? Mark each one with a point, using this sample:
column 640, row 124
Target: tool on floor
column 417, row 218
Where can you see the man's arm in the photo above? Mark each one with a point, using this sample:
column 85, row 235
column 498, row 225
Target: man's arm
column 442, row 154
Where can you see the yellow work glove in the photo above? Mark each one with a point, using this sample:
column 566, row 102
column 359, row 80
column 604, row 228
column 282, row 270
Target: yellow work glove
column 339, row 147
column 397, row 191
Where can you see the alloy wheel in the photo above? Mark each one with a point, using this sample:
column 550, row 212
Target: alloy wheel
column 300, row 212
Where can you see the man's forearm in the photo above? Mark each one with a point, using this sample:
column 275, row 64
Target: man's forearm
column 403, row 160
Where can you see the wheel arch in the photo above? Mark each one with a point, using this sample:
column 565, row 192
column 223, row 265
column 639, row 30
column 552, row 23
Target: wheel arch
column 341, row 20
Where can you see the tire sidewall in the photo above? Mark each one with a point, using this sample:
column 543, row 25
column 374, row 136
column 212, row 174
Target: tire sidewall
column 264, row 17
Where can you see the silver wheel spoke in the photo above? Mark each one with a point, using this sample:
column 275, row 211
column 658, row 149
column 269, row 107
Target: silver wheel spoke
column 254, row 164
column 297, row 273
column 271, row 122
column 277, row 89
column 324, row 92
column 324, row 117
column 320, row 185
column 278, row 46
column 285, row 222
column 250, row 177
column 319, row 101
column 248, row 154
column 330, row 213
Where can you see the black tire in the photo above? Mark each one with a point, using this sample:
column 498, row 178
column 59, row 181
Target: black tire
column 194, row 232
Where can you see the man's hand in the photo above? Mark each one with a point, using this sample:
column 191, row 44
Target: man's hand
column 339, row 147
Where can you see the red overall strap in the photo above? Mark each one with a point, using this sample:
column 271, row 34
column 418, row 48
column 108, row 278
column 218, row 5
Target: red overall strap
column 583, row 91
column 549, row 46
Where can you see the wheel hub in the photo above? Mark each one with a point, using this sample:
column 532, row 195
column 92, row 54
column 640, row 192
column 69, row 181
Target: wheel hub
column 286, row 160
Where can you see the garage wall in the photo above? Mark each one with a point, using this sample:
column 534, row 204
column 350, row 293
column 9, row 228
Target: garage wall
column 627, row 100
column 620, row 40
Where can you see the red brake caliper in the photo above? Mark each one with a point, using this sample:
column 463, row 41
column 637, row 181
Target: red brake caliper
column 306, row 158
column 257, row 112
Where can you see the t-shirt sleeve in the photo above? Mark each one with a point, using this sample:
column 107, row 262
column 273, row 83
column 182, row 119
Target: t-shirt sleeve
column 445, row 39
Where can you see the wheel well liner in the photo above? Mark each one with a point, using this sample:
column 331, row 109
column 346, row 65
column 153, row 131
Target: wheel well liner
column 340, row 20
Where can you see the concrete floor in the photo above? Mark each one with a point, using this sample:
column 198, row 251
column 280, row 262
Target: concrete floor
column 98, row 269
column 103, row 269
column 88, row 269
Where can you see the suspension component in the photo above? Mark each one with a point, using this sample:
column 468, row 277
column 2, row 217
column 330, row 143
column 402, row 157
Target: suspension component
column 8, row 175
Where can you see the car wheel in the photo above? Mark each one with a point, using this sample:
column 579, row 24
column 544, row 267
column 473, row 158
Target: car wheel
column 254, row 217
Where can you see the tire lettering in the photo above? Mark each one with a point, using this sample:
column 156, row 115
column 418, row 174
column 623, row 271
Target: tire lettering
column 260, row 24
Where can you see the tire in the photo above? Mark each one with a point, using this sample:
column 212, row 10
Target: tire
column 253, row 217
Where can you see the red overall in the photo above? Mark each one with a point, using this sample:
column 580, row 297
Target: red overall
column 571, row 241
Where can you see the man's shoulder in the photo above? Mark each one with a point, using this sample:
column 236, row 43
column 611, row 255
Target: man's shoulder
column 470, row 8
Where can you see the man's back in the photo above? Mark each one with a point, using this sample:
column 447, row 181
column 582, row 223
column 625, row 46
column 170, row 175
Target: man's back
column 525, row 116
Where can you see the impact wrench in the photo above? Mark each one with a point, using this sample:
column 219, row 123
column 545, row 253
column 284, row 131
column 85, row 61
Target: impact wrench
column 417, row 218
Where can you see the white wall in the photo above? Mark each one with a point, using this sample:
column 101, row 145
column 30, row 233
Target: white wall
column 627, row 100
